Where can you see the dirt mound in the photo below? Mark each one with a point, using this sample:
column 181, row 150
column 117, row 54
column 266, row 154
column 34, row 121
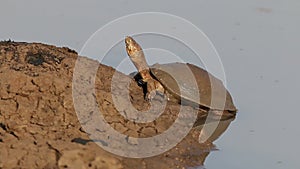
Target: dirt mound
column 40, row 129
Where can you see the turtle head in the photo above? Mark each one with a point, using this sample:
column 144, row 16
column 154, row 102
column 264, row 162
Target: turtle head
column 132, row 47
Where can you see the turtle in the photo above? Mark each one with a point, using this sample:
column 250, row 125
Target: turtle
column 193, row 85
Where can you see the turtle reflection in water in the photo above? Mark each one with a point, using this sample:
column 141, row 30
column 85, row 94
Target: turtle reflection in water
column 200, row 89
column 189, row 153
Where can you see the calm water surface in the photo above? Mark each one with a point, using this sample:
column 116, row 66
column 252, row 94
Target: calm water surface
column 258, row 42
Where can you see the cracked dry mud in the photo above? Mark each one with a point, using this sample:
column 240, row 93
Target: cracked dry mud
column 40, row 129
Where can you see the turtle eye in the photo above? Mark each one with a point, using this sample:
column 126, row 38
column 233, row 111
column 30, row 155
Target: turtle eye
column 128, row 40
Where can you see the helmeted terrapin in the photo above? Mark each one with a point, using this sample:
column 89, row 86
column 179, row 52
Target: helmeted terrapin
column 176, row 81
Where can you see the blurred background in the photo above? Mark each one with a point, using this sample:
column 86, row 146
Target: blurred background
column 258, row 43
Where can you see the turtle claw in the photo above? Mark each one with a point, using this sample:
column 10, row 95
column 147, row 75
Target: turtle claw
column 150, row 95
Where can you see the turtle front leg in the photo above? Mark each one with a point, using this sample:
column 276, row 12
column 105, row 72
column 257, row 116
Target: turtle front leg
column 154, row 87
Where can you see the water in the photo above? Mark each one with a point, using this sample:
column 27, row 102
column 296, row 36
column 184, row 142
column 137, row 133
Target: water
column 258, row 42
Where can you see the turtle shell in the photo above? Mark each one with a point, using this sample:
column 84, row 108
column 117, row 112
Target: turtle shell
column 184, row 80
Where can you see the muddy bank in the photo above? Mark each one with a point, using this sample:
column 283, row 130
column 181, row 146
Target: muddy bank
column 39, row 127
